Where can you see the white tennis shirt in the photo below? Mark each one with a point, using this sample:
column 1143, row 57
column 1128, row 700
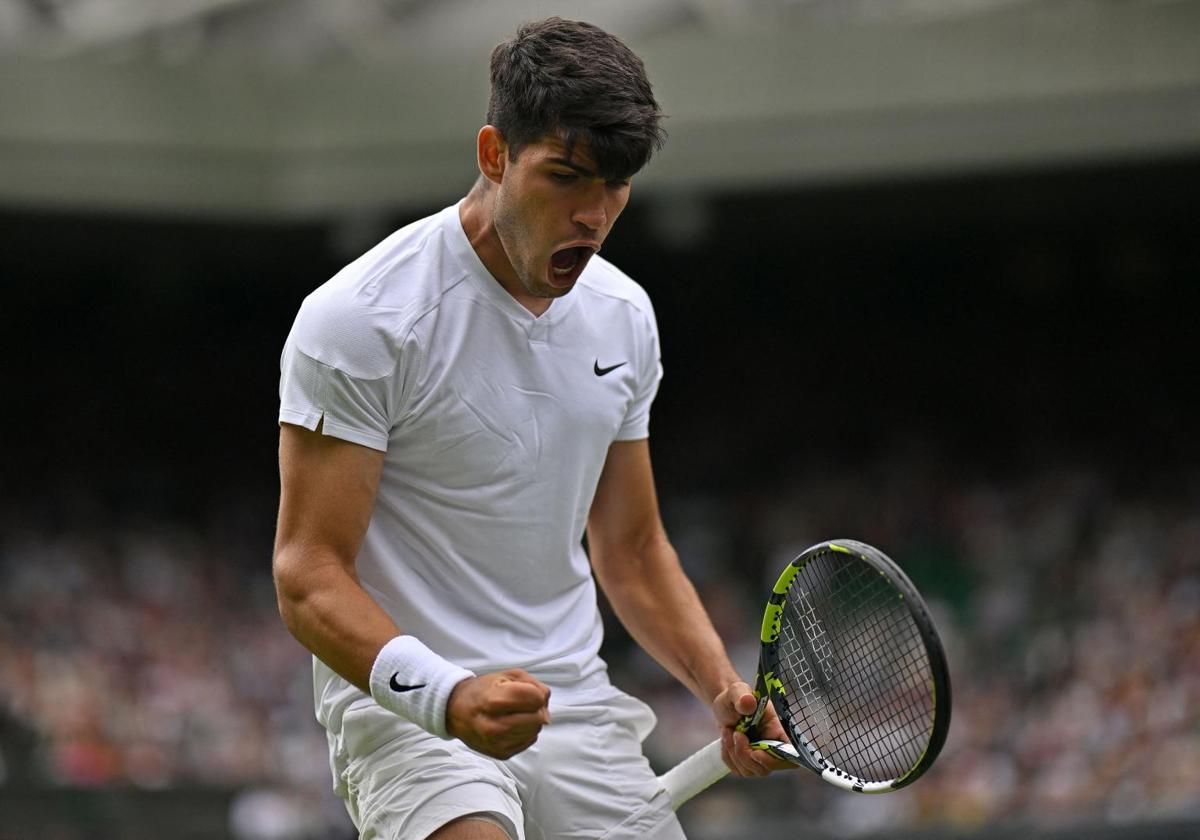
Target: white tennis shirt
column 495, row 425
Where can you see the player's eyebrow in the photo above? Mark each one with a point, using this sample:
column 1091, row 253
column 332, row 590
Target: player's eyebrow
column 581, row 170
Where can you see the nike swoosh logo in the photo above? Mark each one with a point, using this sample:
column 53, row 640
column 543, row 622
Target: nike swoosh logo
column 602, row 371
column 402, row 688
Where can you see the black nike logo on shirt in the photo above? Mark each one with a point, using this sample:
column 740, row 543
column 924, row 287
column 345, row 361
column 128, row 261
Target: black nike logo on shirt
column 602, row 371
column 402, row 688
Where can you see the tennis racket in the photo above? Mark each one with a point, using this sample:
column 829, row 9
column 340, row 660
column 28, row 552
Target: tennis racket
column 853, row 665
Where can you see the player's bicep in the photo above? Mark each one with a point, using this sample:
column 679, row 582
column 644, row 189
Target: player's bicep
column 624, row 525
column 327, row 493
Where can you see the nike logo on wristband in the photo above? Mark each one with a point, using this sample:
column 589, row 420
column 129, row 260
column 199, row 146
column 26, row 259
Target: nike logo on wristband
column 402, row 688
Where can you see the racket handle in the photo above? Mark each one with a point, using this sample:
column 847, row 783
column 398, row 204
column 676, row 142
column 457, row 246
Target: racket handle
column 695, row 773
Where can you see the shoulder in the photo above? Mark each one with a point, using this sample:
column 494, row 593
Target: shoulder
column 608, row 286
column 358, row 320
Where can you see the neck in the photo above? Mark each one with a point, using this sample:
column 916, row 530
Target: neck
column 475, row 213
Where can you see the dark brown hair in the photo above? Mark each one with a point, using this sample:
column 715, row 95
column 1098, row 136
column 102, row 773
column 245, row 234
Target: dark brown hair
column 576, row 81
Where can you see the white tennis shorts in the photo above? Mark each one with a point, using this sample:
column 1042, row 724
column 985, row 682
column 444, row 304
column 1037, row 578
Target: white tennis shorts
column 585, row 777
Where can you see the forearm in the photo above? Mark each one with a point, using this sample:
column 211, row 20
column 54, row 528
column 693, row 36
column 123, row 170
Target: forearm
column 660, row 608
column 327, row 610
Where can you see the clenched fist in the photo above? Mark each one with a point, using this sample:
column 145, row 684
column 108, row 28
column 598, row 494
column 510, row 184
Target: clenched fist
column 498, row 714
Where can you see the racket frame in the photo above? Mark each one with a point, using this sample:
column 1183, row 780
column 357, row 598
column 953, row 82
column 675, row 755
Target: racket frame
column 705, row 767
column 769, row 688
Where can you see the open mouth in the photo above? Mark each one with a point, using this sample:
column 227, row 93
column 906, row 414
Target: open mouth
column 567, row 264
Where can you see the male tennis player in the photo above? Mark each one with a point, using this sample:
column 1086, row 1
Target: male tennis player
column 458, row 406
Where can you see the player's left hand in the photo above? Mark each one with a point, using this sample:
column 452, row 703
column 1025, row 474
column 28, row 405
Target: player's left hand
column 736, row 701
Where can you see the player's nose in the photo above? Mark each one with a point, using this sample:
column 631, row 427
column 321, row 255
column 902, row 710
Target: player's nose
column 592, row 220
column 591, row 214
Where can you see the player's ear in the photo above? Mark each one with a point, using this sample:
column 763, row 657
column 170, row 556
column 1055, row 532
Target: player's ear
column 491, row 153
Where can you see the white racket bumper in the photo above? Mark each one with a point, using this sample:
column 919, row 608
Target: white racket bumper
column 854, row 784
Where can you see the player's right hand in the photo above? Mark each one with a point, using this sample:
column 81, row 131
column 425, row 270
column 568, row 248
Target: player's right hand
column 729, row 707
column 498, row 714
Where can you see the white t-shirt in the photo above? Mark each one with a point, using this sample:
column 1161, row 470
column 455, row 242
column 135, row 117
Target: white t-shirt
column 495, row 425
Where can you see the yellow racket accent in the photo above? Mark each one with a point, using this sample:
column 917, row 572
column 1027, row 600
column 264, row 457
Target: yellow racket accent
column 773, row 683
column 772, row 619
column 773, row 614
column 785, row 580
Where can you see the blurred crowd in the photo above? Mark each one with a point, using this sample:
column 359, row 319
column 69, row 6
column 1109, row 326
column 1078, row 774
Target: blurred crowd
column 1070, row 609
column 152, row 656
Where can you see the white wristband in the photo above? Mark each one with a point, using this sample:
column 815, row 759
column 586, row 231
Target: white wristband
column 415, row 683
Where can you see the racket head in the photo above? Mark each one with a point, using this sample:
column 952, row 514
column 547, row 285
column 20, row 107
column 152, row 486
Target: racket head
column 854, row 667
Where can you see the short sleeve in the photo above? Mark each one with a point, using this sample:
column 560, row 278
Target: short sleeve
column 335, row 372
column 636, row 425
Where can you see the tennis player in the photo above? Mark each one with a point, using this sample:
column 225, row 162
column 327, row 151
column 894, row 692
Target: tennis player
column 458, row 406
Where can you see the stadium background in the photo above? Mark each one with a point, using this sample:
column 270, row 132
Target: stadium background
column 926, row 275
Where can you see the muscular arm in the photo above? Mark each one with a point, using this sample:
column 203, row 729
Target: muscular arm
column 640, row 573
column 327, row 492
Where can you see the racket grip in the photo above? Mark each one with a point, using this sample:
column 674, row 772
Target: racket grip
column 695, row 773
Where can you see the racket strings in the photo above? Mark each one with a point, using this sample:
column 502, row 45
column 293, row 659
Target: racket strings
column 854, row 668
column 858, row 745
column 874, row 739
column 881, row 729
column 862, row 733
